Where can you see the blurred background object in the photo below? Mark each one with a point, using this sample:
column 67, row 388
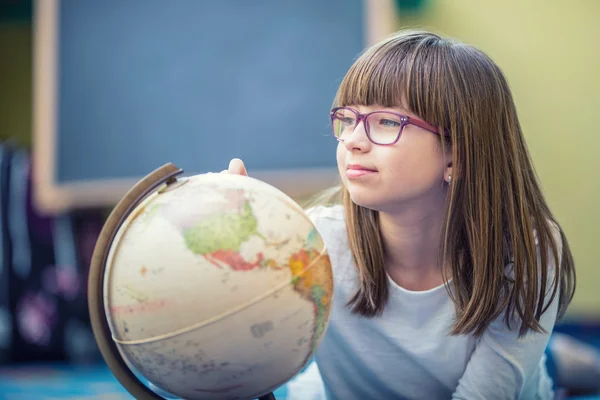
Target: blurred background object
column 130, row 95
column 191, row 84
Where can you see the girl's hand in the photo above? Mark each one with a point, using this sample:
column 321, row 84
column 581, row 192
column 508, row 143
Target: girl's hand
column 236, row 166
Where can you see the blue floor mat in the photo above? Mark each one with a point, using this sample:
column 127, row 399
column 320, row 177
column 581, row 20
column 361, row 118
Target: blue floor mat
column 58, row 381
column 55, row 381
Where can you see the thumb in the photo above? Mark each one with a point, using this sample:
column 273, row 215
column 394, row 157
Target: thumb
column 236, row 166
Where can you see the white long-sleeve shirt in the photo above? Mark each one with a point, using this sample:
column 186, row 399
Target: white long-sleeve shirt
column 407, row 352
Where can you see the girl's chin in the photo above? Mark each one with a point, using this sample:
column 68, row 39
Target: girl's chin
column 367, row 200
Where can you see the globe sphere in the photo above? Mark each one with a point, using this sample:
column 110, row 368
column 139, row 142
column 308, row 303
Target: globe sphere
column 217, row 286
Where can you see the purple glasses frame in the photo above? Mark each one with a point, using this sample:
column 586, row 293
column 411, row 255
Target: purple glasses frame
column 405, row 120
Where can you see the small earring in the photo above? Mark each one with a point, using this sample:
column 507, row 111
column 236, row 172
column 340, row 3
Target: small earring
column 449, row 178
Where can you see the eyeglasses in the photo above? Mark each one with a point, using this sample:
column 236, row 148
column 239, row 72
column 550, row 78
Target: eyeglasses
column 382, row 127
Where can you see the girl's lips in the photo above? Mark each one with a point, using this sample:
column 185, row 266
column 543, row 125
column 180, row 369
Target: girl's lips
column 358, row 171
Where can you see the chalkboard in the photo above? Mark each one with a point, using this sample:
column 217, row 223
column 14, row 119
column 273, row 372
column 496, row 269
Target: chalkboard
column 123, row 87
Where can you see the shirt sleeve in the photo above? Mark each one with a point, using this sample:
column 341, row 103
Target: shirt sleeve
column 502, row 363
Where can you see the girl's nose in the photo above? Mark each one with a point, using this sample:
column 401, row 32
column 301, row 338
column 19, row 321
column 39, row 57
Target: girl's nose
column 358, row 140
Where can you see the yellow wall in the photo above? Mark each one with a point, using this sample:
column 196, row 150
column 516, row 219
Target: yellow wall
column 550, row 52
column 15, row 82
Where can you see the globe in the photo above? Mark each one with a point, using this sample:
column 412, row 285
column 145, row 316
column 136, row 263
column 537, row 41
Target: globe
column 215, row 286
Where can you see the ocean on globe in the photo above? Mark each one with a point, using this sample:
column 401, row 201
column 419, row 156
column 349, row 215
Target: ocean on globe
column 217, row 287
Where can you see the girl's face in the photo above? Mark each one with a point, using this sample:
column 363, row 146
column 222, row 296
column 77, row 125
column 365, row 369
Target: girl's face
column 413, row 171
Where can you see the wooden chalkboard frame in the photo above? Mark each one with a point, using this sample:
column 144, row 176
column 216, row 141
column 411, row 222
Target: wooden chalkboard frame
column 51, row 196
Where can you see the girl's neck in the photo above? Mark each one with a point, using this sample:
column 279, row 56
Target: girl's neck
column 412, row 239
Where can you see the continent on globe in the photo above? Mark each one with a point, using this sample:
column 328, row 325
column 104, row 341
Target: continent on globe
column 311, row 280
column 217, row 230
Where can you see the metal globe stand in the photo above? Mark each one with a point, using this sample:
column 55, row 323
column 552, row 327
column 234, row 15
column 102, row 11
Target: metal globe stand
column 163, row 176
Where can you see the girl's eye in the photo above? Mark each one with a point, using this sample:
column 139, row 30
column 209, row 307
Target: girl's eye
column 388, row 123
column 347, row 121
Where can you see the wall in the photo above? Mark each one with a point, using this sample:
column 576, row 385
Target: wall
column 550, row 52
column 15, row 81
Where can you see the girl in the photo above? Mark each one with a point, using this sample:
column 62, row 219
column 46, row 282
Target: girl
column 450, row 270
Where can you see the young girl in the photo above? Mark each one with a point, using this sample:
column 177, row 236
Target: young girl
column 449, row 269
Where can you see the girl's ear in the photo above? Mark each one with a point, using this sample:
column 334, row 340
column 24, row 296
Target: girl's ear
column 448, row 171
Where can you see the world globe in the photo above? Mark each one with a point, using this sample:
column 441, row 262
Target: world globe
column 213, row 286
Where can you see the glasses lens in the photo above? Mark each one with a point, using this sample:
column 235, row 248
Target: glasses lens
column 344, row 122
column 384, row 127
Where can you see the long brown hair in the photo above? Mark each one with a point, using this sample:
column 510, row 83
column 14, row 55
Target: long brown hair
column 494, row 202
